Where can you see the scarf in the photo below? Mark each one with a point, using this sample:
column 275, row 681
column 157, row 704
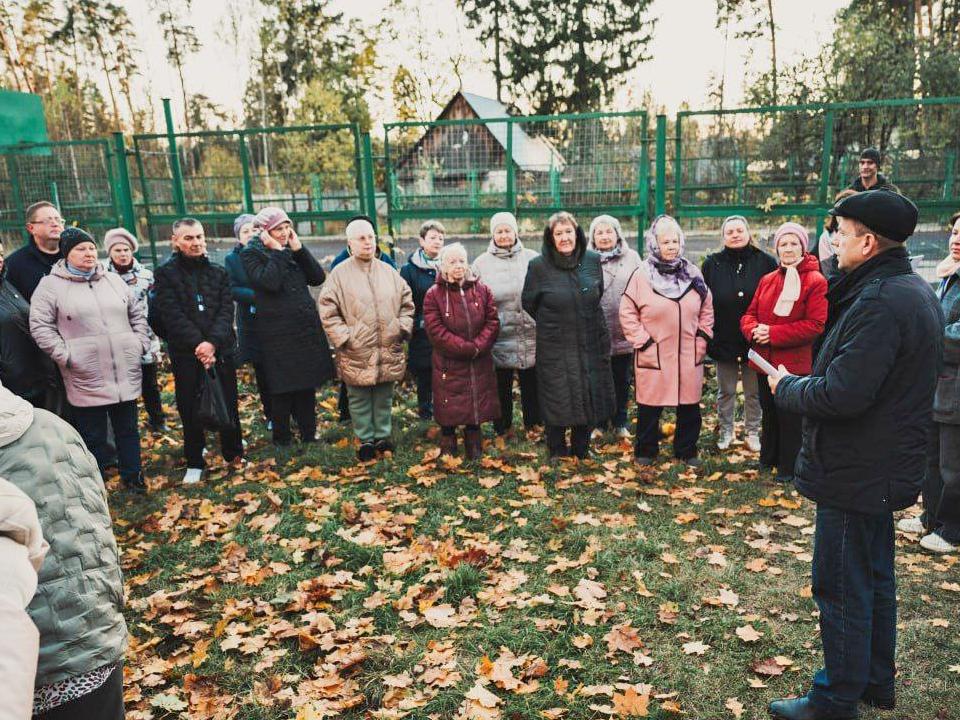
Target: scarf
column 78, row 272
column 790, row 292
column 670, row 278
column 421, row 260
column 501, row 252
column 947, row 267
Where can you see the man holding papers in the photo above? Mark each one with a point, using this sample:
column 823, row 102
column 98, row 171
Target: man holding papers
column 866, row 410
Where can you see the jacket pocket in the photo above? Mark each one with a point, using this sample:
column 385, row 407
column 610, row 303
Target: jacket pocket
column 700, row 350
column 83, row 363
column 945, row 400
column 648, row 358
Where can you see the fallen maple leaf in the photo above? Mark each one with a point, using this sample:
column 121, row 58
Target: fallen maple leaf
column 748, row 633
column 631, row 704
column 695, row 648
column 768, row 667
column 734, row 706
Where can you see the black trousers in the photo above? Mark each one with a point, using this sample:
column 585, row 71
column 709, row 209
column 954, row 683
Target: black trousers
column 343, row 403
column 302, row 405
column 781, row 434
column 685, row 437
column 449, row 430
column 104, row 703
column 529, row 403
column 187, row 375
column 424, row 378
column 263, row 388
column 94, row 425
column 150, row 392
column 557, row 440
column 622, row 368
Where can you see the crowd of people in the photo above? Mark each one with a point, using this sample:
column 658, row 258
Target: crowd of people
column 863, row 351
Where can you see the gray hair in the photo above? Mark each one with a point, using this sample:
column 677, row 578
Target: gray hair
column 452, row 249
column 357, row 227
column 666, row 224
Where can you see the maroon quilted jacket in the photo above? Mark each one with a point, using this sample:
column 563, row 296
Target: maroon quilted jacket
column 462, row 324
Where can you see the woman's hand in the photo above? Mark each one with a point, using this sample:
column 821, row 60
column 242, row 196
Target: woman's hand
column 761, row 334
column 295, row 243
column 269, row 242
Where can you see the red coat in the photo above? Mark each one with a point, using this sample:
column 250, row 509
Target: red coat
column 462, row 324
column 791, row 337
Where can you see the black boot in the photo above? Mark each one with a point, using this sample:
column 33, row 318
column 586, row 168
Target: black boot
column 802, row 709
column 472, row 443
column 136, row 484
column 448, row 445
column 383, row 445
column 366, row 451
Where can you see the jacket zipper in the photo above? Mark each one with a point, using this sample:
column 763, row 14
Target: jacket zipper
column 679, row 347
column 376, row 312
column 103, row 321
column 473, row 379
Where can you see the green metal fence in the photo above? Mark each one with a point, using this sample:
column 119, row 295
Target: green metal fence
column 82, row 177
column 594, row 162
column 787, row 160
column 315, row 172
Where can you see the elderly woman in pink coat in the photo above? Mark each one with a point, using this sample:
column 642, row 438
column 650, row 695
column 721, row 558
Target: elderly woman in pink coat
column 667, row 315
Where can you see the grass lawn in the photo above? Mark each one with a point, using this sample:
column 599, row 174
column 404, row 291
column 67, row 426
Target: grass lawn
column 308, row 586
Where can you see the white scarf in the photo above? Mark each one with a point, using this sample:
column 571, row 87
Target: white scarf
column 791, row 290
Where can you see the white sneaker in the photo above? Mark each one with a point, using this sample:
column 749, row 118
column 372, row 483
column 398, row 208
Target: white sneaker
column 193, row 476
column 753, row 443
column 622, row 432
column 934, row 543
column 725, row 440
column 911, row 525
column 596, row 434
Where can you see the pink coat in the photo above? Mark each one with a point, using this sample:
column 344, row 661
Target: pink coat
column 95, row 330
column 669, row 338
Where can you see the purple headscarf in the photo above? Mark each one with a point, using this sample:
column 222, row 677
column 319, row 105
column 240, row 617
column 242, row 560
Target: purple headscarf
column 670, row 278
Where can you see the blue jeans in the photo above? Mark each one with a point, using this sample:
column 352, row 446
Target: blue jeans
column 855, row 588
column 92, row 424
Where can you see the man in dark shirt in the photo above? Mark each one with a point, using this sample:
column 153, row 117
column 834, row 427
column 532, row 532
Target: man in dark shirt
column 870, row 177
column 30, row 264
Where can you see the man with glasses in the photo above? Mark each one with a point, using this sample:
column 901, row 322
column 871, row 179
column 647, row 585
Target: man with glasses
column 30, row 264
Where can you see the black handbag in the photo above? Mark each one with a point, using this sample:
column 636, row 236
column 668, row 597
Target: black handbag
column 212, row 411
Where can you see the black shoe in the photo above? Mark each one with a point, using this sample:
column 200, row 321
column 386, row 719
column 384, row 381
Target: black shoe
column 158, row 425
column 802, row 709
column 383, row 445
column 137, row 484
column 366, row 451
column 881, row 702
column 425, row 413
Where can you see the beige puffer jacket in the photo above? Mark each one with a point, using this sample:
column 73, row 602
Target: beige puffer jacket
column 22, row 549
column 367, row 313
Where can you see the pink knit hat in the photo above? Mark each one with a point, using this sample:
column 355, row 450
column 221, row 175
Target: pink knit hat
column 791, row 228
column 268, row 218
column 119, row 235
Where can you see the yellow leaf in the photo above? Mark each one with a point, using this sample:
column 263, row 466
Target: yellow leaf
column 631, row 704
column 734, row 706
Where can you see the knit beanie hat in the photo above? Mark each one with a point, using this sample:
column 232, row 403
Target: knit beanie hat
column 604, row 220
column 71, row 237
column 791, row 228
column 871, row 154
column 119, row 235
column 240, row 222
column 504, row 218
column 268, row 218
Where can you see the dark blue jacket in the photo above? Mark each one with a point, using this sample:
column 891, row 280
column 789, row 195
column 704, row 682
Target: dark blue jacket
column 868, row 404
column 420, row 279
column 27, row 266
column 245, row 300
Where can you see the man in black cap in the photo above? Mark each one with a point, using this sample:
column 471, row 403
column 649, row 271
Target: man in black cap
column 870, row 177
column 866, row 409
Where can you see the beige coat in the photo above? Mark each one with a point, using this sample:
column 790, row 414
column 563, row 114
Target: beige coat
column 22, row 549
column 367, row 313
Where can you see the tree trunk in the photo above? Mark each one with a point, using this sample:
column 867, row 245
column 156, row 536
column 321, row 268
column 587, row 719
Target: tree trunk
column 773, row 50
column 497, row 68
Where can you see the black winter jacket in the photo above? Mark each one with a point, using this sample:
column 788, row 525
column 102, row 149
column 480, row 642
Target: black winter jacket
column 420, row 279
column 27, row 266
column 24, row 369
column 292, row 345
column 248, row 350
column 733, row 276
column 868, row 404
column 562, row 294
column 192, row 304
column 946, row 403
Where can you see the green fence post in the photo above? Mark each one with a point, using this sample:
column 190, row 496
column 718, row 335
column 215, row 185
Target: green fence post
column 660, row 187
column 245, row 167
column 950, row 161
column 358, row 168
column 643, row 179
column 370, row 195
column 14, row 174
column 827, row 153
column 123, row 191
column 179, row 199
column 388, row 174
column 511, row 180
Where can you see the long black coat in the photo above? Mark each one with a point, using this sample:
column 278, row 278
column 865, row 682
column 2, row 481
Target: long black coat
column 868, row 404
column 574, row 380
column 24, row 368
column 192, row 304
column 420, row 280
column 293, row 348
column 733, row 276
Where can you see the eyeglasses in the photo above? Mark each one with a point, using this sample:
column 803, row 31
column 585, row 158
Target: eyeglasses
column 49, row 221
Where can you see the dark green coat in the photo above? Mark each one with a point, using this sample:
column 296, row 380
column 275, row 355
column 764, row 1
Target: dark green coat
column 562, row 294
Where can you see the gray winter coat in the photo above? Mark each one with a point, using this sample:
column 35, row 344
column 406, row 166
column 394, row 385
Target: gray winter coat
column 617, row 270
column 946, row 402
column 79, row 600
column 503, row 271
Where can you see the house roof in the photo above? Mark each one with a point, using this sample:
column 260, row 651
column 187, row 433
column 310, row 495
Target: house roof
column 535, row 154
